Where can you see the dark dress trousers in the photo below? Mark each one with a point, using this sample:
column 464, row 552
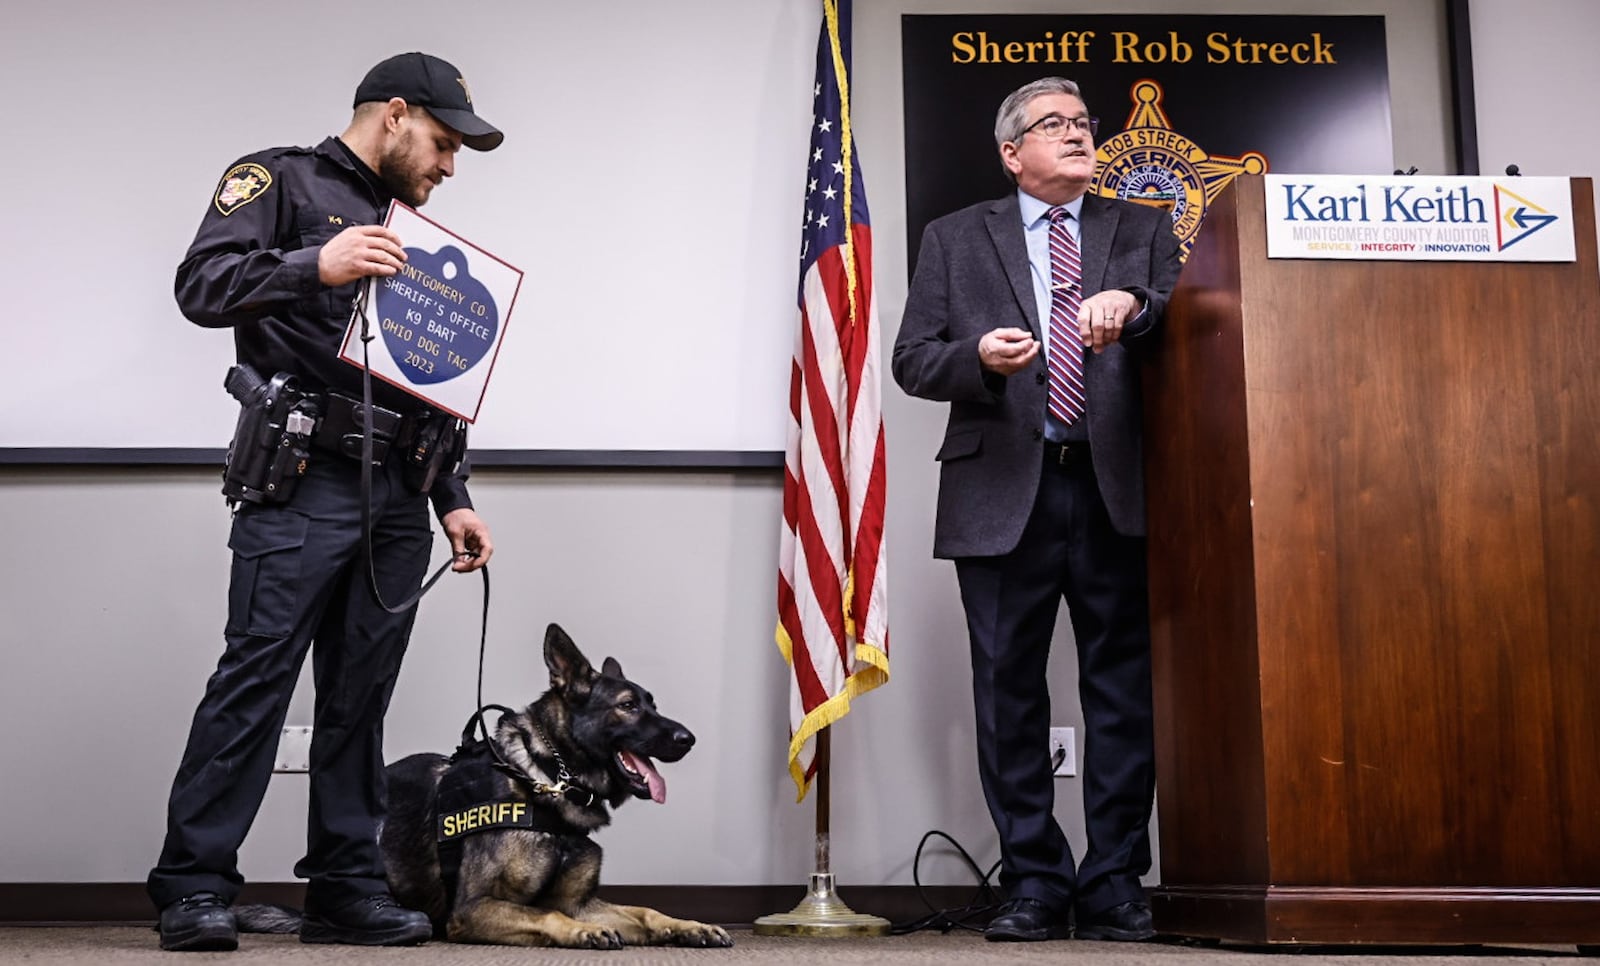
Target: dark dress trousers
column 1027, row 529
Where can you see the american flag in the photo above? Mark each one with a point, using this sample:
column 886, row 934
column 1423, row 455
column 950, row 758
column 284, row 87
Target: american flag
column 833, row 623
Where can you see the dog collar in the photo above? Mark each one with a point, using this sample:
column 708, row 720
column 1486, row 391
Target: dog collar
column 564, row 786
column 538, row 782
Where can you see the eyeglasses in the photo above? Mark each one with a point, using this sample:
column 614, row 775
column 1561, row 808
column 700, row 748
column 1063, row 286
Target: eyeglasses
column 1054, row 127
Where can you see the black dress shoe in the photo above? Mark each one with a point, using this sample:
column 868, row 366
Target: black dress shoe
column 374, row 921
column 201, row 922
column 1126, row 923
column 1026, row 920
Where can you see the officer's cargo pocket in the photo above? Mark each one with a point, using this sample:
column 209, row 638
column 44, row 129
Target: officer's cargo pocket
column 264, row 592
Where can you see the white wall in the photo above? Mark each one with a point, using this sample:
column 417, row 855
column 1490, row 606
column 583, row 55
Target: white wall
column 1534, row 66
column 606, row 195
column 113, row 583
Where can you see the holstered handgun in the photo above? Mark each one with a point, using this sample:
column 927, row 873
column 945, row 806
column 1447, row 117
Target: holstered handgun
column 271, row 441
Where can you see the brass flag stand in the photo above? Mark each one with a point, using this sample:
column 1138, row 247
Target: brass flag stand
column 821, row 912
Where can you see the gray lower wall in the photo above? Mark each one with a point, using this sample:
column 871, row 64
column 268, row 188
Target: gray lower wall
column 115, row 605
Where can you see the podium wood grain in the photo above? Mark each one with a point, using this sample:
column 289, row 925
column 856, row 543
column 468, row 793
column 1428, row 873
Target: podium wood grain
column 1375, row 592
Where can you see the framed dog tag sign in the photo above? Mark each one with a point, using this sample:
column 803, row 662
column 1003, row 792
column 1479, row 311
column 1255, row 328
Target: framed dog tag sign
column 438, row 323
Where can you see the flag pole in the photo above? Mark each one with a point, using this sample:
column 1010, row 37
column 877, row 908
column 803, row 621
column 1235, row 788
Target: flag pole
column 821, row 912
column 847, row 654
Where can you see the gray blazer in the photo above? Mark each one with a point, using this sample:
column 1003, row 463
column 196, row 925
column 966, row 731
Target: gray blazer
column 972, row 276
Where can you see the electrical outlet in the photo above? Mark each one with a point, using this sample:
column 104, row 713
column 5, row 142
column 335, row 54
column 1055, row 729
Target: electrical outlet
column 294, row 750
column 1063, row 752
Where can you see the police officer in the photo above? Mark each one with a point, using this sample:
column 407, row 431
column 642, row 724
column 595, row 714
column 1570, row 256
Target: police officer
column 287, row 238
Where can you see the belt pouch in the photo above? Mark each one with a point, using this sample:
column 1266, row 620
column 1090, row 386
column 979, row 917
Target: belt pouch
column 344, row 424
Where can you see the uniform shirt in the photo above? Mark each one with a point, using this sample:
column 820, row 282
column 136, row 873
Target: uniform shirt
column 253, row 268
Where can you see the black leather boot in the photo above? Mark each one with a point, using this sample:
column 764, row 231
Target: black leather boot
column 201, row 922
column 374, row 921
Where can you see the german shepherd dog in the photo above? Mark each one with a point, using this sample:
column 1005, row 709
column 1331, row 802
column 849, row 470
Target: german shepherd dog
column 556, row 768
column 492, row 843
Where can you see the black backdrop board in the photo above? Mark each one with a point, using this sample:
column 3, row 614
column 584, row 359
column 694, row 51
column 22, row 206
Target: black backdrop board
column 1279, row 93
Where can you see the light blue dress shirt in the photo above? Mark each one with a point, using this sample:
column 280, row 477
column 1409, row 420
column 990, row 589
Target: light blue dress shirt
column 1036, row 228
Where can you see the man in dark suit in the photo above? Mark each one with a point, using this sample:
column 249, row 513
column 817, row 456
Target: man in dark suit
column 1029, row 316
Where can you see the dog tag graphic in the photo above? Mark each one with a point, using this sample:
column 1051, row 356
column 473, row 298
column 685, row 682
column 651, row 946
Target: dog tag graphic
column 445, row 321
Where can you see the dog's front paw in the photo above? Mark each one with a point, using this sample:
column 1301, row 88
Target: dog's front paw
column 596, row 937
column 702, row 934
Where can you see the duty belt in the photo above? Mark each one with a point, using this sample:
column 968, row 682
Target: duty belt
column 343, row 423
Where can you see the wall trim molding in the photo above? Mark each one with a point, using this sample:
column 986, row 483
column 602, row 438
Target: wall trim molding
column 610, row 459
column 125, row 903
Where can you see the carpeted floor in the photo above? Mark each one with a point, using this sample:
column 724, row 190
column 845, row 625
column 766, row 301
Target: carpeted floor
column 127, row 946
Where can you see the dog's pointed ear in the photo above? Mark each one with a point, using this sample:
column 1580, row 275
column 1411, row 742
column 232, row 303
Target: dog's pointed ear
column 570, row 672
column 612, row 669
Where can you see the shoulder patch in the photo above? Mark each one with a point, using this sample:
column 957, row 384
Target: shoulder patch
column 240, row 186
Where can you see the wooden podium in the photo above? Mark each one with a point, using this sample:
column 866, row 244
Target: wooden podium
column 1375, row 594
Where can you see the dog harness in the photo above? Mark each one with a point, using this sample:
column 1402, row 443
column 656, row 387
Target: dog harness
column 473, row 798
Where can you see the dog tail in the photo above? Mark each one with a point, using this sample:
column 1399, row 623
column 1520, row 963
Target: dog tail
column 267, row 917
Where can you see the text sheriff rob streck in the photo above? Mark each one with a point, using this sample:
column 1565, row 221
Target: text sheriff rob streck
column 1399, row 203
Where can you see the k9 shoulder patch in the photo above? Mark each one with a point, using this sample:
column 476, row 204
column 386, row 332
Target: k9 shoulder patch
column 482, row 817
column 243, row 184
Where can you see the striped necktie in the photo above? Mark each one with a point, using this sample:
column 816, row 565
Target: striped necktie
column 1065, row 356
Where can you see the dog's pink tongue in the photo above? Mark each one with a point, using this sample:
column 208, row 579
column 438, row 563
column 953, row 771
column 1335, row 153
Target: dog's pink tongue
column 642, row 765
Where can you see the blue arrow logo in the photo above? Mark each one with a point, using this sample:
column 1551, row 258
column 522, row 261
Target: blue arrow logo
column 1526, row 218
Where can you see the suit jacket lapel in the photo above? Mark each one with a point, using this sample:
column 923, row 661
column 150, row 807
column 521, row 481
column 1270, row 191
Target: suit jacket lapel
column 1100, row 219
column 1005, row 228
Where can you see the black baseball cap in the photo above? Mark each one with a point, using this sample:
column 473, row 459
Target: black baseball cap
column 423, row 80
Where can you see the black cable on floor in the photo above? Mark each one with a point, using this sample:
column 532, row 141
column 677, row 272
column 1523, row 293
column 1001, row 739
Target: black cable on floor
column 984, row 899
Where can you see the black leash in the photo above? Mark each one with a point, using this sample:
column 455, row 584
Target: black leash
column 359, row 309
column 563, row 786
